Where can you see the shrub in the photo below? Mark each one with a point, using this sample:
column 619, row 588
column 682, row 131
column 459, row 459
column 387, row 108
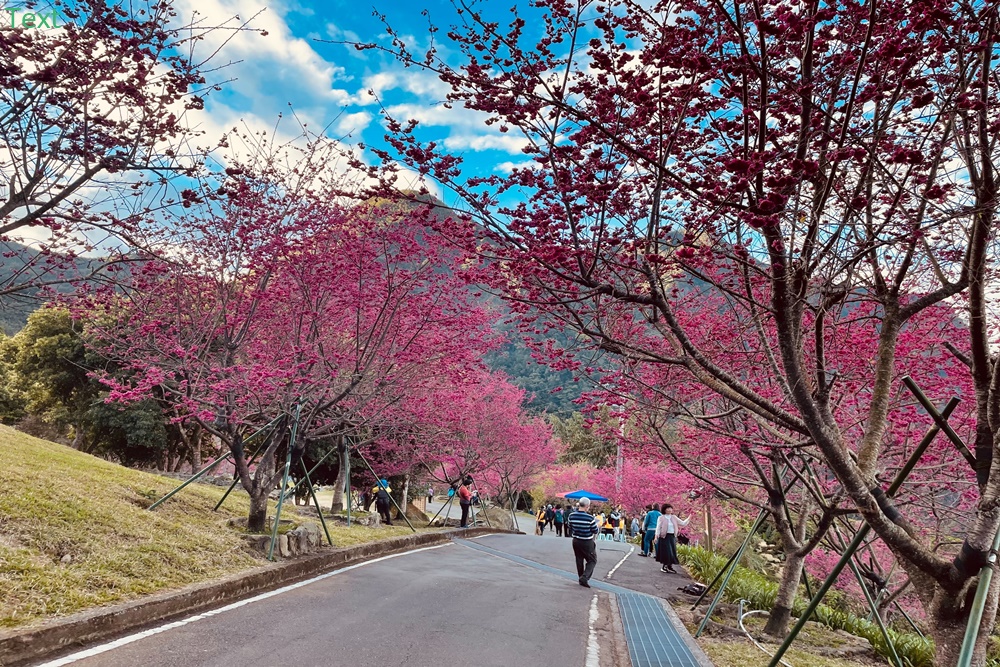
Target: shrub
column 760, row 592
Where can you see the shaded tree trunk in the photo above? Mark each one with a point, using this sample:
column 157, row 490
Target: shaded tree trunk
column 339, row 500
column 781, row 613
column 406, row 496
column 257, row 519
column 77, row 437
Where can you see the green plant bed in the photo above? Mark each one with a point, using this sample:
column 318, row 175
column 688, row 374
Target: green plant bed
column 760, row 592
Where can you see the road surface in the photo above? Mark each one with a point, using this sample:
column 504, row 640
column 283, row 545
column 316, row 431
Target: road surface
column 449, row 605
column 496, row 600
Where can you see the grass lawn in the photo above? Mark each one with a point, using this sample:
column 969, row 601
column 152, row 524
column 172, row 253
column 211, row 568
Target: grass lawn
column 75, row 534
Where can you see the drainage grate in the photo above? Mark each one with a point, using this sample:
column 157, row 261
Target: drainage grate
column 651, row 637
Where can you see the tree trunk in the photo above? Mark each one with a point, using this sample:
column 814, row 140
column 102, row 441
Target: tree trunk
column 406, row 496
column 77, row 437
column 949, row 616
column 257, row 520
column 781, row 612
column 195, row 451
column 340, row 483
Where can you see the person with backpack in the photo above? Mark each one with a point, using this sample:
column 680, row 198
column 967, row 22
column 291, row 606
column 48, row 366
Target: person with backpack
column 540, row 521
column 615, row 519
column 381, row 492
column 550, row 516
column 558, row 520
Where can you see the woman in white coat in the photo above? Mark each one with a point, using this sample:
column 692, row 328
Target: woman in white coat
column 666, row 538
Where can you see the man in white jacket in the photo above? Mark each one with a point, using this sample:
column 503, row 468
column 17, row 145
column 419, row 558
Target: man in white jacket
column 666, row 538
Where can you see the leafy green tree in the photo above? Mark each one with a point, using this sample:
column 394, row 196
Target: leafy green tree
column 583, row 443
column 12, row 401
column 50, row 366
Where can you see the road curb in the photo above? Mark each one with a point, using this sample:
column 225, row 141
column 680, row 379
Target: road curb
column 18, row 647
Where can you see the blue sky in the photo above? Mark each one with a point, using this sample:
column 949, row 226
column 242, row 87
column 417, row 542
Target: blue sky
column 329, row 84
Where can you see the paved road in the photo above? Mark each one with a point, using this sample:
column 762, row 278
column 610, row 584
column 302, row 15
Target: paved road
column 454, row 604
column 440, row 606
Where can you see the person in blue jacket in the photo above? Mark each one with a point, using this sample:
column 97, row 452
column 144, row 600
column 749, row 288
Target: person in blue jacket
column 381, row 492
column 649, row 525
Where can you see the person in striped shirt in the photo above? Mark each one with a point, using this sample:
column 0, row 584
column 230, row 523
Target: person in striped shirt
column 583, row 526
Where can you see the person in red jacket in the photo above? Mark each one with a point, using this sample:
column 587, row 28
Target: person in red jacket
column 465, row 500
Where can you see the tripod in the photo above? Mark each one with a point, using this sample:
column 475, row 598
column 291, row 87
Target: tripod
column 472, row 506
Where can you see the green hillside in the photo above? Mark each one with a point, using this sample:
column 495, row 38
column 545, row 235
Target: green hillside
column 75, row 534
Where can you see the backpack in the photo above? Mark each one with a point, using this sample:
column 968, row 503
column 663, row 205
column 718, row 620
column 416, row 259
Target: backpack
column 694, row 588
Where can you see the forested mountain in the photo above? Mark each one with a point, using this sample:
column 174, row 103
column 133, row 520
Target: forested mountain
column 549, row 391
column 21, row 265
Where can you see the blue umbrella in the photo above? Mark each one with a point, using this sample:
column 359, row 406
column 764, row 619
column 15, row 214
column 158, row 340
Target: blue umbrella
column 576, row 495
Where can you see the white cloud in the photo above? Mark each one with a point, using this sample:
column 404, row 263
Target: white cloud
column 508, row 167
column 420, row 83
column 268, row 70
column 512, row 144
column 352, row 124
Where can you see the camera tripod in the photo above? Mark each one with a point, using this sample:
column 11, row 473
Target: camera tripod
column 472, row 506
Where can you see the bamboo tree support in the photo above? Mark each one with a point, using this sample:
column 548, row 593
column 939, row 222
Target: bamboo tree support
column 978, row 606
column 940, row 420
column 878, row 617
column 309, row 472
column 447, row 504
column 284, row 481
column 319, row 510
column 250, row 462
column 725, row 568
column 394, row 503
column 198, row 475
column 733, row 562
column 859, row 537
column 347, row 483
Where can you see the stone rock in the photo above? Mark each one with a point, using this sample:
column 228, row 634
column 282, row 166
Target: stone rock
column 313, row 535
column 415, row 515
column 499, row 518
column 66, row 560
column 283, row 550
column 258, row 542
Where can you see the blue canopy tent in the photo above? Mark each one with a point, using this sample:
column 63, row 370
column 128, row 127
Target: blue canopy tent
column 576, row 495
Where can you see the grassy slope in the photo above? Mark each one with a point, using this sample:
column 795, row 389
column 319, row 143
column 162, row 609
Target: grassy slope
column 55, row 501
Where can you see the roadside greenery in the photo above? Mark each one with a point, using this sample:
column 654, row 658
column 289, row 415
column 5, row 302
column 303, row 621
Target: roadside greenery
column 75, row 534
column 760, row 591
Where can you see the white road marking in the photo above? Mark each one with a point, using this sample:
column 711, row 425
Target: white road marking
column 593, row 649
column 630, row 551
column 104, row 648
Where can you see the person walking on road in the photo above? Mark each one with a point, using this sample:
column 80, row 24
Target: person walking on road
column 381, row 492
column 465, row 500
column 666, row 538
column 584, row 530
column 649, row 526
column 540, row 521
column 558, row 520
column 566, row 513
column 550, row 517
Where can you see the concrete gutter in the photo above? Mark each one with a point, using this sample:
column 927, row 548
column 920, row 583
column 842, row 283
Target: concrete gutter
column 23, row 645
